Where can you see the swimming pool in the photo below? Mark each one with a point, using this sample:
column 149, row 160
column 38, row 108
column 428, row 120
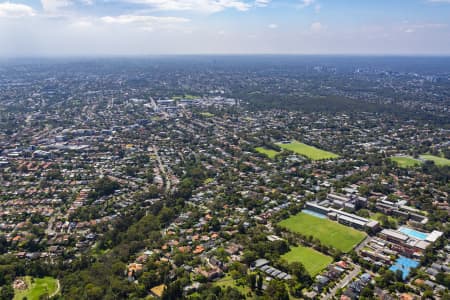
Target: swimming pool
column 405, row 265
column 315, row 214
column 413, row 233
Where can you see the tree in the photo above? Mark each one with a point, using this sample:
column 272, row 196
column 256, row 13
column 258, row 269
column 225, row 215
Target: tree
column 221, row 254
column 214, row 224
column 252, row 281
column 165, row 215
column 428, row 294
column 173, row 291
column 277, row 290
column 3, row 244
column 367, row 292
column 94, row 292
column 399, row 275
column 260, row 282
column 299, row 271
column 7, row 292
column 104, row 187
column 364, row 190
column 232, row 294
column 387, row 278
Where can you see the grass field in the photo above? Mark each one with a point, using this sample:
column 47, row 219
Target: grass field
column 40, row 286
column 207, row 114
column 310, row 152
column 439, row 161
column 208, row 180
column 405, row 161
column 268, row 152
column 313, row 260
column 228, row 281
column 328, row 232
column 189, row 97
column 379, row 216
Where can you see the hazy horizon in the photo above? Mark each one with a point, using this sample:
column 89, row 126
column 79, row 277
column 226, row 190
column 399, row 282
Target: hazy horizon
column 74, row 28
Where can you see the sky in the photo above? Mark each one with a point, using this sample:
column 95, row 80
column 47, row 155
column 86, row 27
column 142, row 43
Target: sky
column 155, row 27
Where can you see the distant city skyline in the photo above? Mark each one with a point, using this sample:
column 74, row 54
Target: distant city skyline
column 154, row 27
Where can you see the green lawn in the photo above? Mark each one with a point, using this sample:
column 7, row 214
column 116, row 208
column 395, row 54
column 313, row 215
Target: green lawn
column 40, row 286
column 439, row 161
column 206, row 114
column 379, row 216
column 405, row 161
column 190, row 97
column 313, row 260
column 310, row 152
column 228, row 281
column 328, row 232
column 268, row 152
column 208, row 180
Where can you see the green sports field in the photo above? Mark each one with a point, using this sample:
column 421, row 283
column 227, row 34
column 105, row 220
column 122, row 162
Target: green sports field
column 405, row 161
column 328, row 232
column 313, row 260
column 439, row 161
column 40, row 286
column 206, row 114
column 268, row 152
column 310, row 152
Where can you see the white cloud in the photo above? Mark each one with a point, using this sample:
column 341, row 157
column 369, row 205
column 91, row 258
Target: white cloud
column 52, row 6
column 147, row 23
column 14, row 10
column 317, row 27
column 204, row 6
column 273, row 26
column 129, row 19
column 411, row 28
column 306, row 3
column 262, row 3
column 317, row 8
column 81, row 24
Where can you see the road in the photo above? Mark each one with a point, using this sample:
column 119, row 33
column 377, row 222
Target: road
column 155, row 106
column 163, row 170
column 346, row 280
column 49, row 230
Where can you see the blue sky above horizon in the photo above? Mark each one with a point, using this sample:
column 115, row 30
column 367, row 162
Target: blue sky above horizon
column 140, row 27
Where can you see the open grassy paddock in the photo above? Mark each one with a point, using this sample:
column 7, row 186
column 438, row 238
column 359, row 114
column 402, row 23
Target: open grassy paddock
column 328, row 232
column 409, row 162
column 439, row 161
column 206, row 114
column 40, row 286
column 405, row 161
column 268, row 152
column 313, row 260
column 228, row 281
column 310, row 152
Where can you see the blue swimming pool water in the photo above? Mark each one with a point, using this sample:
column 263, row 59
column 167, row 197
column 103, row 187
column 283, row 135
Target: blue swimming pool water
column 315, row 214
column 413, row 233
column 405, row 265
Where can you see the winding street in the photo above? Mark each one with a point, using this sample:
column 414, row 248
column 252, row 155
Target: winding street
column 163, row 170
